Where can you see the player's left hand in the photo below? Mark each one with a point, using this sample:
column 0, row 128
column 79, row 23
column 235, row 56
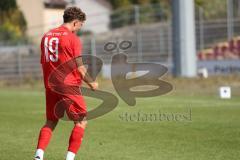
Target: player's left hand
column 93, row 85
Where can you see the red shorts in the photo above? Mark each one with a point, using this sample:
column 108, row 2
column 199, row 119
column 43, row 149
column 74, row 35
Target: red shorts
column 57, row 105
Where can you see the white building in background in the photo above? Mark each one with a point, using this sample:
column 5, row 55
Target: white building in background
column 42, row 15
column 53, row 13
column 33, row 13
column 98, row 14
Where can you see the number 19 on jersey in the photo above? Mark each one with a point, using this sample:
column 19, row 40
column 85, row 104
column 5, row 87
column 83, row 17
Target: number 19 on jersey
column 51, row 49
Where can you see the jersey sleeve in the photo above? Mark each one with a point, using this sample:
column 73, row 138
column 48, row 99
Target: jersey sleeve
column 77, row 47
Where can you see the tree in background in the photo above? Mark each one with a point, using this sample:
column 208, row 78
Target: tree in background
column 12, row 22
column 148, row 11
column 213, row 9
column 217, row 9
column 160, row 10
column 236, row 8
column 119, row 3
column 120, row 17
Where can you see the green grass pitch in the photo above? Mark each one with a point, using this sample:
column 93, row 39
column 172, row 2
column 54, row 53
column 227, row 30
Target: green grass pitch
column 212, row 133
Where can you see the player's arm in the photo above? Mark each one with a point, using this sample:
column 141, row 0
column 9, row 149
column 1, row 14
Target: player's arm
column 86, row 77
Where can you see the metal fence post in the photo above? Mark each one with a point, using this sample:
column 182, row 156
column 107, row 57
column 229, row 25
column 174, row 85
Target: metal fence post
column 184, row 38
column 139, row 46
column 136, row 14
column 19, row 65
column 201, row 28
column 161, row 40
column 230, row 24
column 93, row 53
column 238, row 12
column 138, row 33
column 169, row 41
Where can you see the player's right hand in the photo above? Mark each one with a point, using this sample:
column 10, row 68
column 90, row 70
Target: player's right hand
column 93, row 85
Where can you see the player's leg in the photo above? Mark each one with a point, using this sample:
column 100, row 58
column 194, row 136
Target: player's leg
column 75, row 139
column 44, row 138
column 45, row 134
column 46, row 131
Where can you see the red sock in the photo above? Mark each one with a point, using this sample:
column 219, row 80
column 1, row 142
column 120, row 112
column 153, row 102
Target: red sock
column 44, row 138
column 75, row 139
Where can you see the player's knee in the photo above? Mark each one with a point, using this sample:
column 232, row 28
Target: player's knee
column 51, row 124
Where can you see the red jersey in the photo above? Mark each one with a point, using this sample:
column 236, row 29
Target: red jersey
column 58, row 46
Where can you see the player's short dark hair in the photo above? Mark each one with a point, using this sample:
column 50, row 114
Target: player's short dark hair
column 73, row 13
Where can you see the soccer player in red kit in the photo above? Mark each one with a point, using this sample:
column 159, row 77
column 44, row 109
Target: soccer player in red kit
column 58, row 46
